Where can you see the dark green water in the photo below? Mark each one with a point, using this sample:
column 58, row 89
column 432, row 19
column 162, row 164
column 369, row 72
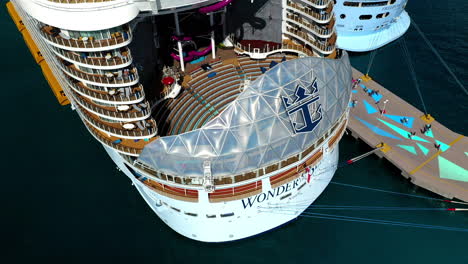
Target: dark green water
column 65, row 201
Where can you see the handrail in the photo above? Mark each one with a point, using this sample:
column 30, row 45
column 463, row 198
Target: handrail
column 321, row 17
column 317, row 30
column 147, row 132
column 323, row 47
column 97, row 61
column 78, row 1
column 137, row 93
column 114, row 114
column 117, row 38
column 267, row 49
column 110, row 143
column 124, row 79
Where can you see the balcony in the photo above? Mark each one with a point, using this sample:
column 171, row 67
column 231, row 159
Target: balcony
column 125, row 146
column 318, row 17
column 139, row 130
column 323, row 48
column 123, row 113
column 118, row 78
column 320, row 4
column 314, row 29
column 123, row 95
column 79, row 1
column 105, row 60
column 115, row 39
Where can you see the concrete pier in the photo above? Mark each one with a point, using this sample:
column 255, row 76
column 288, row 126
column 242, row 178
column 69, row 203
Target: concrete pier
column 435, row 159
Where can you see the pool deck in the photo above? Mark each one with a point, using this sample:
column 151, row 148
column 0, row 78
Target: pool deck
column 436, row 160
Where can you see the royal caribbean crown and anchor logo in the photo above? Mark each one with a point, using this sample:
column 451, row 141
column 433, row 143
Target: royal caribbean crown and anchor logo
column 305, row 113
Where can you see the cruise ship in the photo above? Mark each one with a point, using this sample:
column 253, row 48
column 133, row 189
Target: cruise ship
column 213, row 109
column 365, row 25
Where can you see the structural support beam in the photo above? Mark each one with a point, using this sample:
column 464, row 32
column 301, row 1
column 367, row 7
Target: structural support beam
column 213, row 50
column 179, row 44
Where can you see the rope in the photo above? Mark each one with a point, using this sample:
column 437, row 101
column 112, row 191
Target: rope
column 412, row 71
column 438, row 56
column 372, row 221
column 371, row 60
column 385, row 191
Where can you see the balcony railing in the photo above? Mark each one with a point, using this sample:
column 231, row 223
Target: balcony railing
column 317, row 30
column 142, row 113
column 125, row 149
column 239, row 48
column 54, row 35
column 149, row 127
column 122, row 95
column 105, row 60
column 78, row 1
column 319, row 46
column 123, row 77
column 317, row 3
column 319, row 17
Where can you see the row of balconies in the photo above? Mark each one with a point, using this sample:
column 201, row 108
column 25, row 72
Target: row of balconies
column 322, row 16
column 116, row 38
column 110, row 78
column 319, row 31
column 324, row 48
column 122, row 95
column 99, row 60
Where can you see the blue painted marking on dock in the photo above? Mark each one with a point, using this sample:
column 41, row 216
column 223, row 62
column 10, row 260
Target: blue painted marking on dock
column 423, row 149
column 377, row 130
column 443, row 146
column 410, row 149
column 399, row 120
column 402, row 132
column 369, row 108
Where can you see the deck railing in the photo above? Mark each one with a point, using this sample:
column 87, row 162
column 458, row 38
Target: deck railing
column 136, row 94
column 124, row 58
column 90, row 43
column 272, row 49
column 148, row 131
column 144, row 113
column 324, row 48
column 124, row 79
column 79, row 1
column 317, row 30
column 321, row 17
column 110, row 143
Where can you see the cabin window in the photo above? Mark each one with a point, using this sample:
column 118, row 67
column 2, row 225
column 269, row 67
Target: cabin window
column 382, row 15
column 351, row 3
column 365, row 17
column 227, row 215
column 342, row 16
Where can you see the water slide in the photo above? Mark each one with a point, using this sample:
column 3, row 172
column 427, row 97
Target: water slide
column 215, row 7
column 192, row 54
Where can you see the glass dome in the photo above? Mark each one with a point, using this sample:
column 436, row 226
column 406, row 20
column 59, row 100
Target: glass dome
column 278, row 115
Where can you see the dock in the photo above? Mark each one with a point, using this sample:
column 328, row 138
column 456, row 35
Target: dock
column 435, row 159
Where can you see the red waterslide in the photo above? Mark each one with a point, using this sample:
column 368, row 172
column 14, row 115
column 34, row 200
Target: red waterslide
column 215, row 7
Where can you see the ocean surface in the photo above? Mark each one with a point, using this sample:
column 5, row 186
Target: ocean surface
column 65, row 201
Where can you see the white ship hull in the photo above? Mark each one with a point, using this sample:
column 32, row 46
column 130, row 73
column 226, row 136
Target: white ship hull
column 241, row 218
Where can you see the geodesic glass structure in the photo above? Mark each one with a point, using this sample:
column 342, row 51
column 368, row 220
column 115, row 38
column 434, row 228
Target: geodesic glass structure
column 280, row 114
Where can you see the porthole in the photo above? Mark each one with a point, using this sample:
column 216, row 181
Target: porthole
column 342, row 16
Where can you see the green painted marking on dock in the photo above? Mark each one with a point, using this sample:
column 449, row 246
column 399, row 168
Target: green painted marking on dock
column 402, row 132
column 443, row 146
column 423, row 149
column 410, row 149
column 451, row 171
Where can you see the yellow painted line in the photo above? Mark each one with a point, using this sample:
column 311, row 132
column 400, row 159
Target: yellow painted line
column 434, row 156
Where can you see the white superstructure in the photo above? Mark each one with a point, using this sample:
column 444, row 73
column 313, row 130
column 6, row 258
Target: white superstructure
column 365, row 25
column 218, row 146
